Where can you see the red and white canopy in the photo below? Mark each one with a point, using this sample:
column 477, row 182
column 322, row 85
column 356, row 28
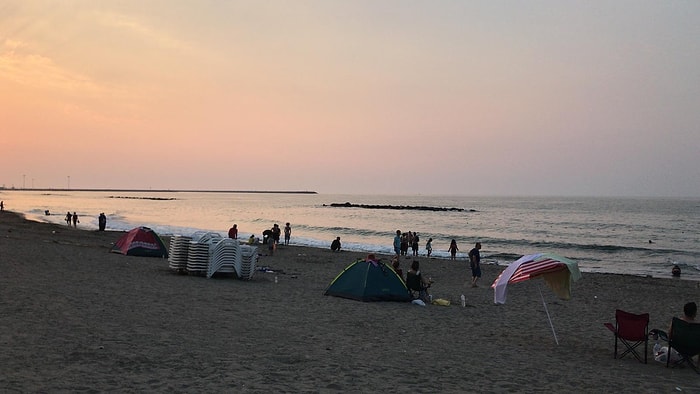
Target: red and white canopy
column 557, row 271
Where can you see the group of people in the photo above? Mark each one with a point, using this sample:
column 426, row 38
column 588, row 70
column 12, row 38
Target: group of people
column 414, row 279
column 271, row 237
column 400, row 249
column 402, row 241
column 72, row 218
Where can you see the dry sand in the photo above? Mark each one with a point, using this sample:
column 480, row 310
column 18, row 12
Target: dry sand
column 76, row 318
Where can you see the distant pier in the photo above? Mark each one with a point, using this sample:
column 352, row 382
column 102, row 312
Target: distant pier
column 159, row 190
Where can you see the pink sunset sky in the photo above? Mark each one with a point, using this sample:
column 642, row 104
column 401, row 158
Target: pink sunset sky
column 360, row 96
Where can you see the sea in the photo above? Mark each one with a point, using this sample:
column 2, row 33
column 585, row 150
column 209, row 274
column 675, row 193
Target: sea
column 636, row 236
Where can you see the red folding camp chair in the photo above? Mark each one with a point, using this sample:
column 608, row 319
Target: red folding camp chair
column 632, row 330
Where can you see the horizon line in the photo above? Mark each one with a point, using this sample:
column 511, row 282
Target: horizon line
column 164, row 190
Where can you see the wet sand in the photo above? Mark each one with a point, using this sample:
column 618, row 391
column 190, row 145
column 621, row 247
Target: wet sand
column 76, row 318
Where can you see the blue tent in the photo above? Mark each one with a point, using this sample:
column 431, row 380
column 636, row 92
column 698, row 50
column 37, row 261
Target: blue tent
column 368, row 280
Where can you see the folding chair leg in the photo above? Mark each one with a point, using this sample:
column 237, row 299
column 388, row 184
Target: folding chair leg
column 631, row 348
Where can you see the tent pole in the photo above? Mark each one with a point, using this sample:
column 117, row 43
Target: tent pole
column 547, row 311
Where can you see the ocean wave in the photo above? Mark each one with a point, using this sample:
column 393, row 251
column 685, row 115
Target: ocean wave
column 611, row 249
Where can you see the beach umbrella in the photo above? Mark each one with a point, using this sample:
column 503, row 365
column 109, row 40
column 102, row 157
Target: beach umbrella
column 558, row 272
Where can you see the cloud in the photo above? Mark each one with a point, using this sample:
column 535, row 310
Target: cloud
column 69, row 91
column 142, row 32
column 19, row 64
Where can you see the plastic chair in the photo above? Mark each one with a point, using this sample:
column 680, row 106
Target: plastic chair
column 685, row 338
column 632, row 330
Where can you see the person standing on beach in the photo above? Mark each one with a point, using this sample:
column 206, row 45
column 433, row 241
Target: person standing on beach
column 276, row 232
column 68, row 218
column 271, row 246
column 287, row 233
column 404, row 244
column 102, row 221
column 75, row 220
column 429, row 246
column 475, row 263
column 271, row 240
column 414, row 244
column 2, row 206
column 233, row 232
column 397, row 243
column 453, row 250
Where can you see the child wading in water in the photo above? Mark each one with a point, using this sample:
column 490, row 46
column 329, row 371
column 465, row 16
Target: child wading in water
column 453, row 250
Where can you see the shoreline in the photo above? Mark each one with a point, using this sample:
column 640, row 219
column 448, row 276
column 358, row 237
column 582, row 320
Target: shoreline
column 377, row 249
column 315, row 225
column 76, row 317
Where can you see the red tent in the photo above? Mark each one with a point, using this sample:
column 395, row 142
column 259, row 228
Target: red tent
column 141, row 241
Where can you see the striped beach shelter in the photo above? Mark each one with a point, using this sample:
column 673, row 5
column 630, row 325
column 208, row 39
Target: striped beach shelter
column 558, row 272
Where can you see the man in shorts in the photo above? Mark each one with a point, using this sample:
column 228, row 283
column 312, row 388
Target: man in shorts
column 397, row 243
column 475, row 263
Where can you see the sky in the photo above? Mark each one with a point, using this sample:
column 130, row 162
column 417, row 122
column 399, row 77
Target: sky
column 502, row 98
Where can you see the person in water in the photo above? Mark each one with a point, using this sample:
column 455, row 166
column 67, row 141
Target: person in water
column 676, row 271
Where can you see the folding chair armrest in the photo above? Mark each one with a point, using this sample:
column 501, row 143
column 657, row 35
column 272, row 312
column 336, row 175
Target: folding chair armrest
column 610, row 327
column 661, row 333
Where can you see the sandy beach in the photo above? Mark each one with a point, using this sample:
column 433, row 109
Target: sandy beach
column 76, row 318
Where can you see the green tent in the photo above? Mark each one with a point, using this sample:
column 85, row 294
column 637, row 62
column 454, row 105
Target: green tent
column 367, row 280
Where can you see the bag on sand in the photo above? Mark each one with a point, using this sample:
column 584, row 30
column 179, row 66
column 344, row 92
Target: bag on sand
column 661, row 352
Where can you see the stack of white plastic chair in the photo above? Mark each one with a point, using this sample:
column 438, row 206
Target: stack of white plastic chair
column 205, row 237
column 198, row 255
column 198, row 258
column 179, row 249
column 223, row 256
column 248, row 259
column 197, row 235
